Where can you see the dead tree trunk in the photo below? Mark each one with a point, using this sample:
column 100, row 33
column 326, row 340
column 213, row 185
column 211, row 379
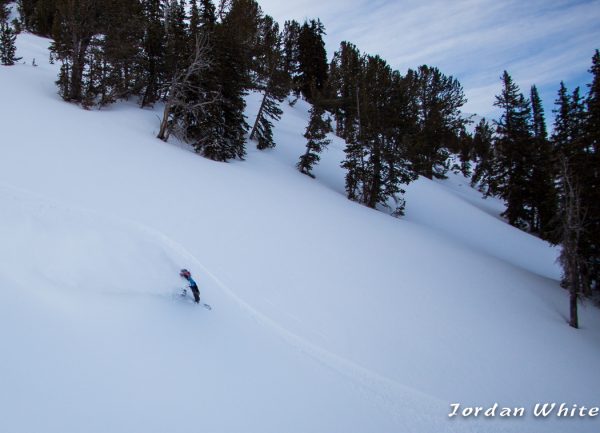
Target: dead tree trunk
column 260, row 113
column 165, row 129
column 572, row 227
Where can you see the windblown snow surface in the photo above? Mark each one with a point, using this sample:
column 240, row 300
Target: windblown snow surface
column 327, row 316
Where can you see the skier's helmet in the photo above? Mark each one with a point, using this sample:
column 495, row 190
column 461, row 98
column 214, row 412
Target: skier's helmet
column 185, row 273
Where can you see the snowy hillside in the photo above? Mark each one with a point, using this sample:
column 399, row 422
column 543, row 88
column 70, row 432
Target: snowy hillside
column 327, row 316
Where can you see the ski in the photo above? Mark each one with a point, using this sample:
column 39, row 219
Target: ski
column 183, row 294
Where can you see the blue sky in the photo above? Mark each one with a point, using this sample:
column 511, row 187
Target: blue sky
column 536, row 41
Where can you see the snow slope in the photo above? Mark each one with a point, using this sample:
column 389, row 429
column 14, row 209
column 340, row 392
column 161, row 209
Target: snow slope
column 327, row 316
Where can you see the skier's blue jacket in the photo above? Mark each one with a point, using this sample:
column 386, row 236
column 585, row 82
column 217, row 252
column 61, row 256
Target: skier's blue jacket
column 192, row 282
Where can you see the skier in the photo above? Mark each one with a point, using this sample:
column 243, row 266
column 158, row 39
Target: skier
column 184, row 273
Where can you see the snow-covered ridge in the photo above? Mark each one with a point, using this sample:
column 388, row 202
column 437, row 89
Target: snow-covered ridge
column 327, row 316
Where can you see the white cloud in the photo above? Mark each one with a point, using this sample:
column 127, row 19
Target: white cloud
column 537, row 41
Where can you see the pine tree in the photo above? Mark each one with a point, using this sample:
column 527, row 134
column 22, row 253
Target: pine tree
column 345, row 70
column 576, row 140
column 75, row 24
column 208, row 14
column 591, row 185
column 568, row 140
column 376, row 151
column 399, row 114
column 26, row 9
column 272, row 80
column 44, row 16
column 151, row 73
column 242, row 25
column 538, row 121
column 118, row 53
column 514, row 146
column 356, row 153
column 465, row 153
column 484, row 176
column 562, row 121
column 37, row 16
column 439, row 100
column 99, row 44
column 221, row 131
column 178, row 46
column 573, row 226
column 206, row 132
column 195, row 20
column 291, row 33
column 543, row 173
column 569, row 148
column 316, row 134
column 7, row 45
column 312, row 59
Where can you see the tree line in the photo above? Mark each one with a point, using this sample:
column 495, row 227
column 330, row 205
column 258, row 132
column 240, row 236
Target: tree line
column 199, row 59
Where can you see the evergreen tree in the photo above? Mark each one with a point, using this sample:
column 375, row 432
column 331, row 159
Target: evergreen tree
column 233, row 65
column 591, row 186
column 543, row 173
column 271, row 78
column 195, row 20
column 465, row 153
column 538, row 121
column 221, row 132
column 571, row 158
column 483, row 148
column 575, row 271
column 576, row 140
column 567, row 137
column 376, row 160
column 291, row 33
column 514, row 146
column 561, row 134
column 177, row 44
column 569, row 149
column 242, row 25
column 400, row 126
column 206, row 131
column 208, row 14
column 8, row 48
column 312, row 59
column 151, row 73
column 26, row 9
column 43, row 17
column 377, row 84
column 75, row 24
column 120, row 51
column 316, row 134
column 345, row 71
column 440, row 122
column 105, row 65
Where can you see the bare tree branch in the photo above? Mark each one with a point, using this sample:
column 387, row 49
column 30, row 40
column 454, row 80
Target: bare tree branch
column 186, row 100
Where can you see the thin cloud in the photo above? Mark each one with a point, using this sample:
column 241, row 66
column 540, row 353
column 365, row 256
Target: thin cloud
column 538, row 41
